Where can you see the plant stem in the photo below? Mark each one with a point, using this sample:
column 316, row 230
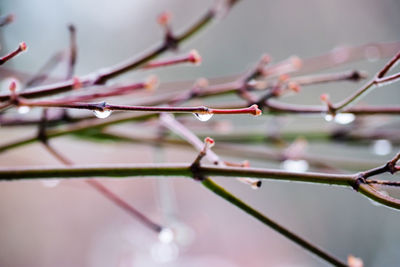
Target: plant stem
column 212, row 186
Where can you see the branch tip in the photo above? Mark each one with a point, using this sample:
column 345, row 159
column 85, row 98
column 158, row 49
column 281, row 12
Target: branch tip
column 194, row 57
column 23, row 46
column 255, row 110
column 164, row 18
column 151, row 83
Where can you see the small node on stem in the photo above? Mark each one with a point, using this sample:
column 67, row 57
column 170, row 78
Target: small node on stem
column 76, row 83
column 194, row 57
column 151, row 83
column 354, row 261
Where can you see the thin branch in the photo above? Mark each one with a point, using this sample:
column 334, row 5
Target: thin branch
column 103, row 75
column 253, row 110
column 21, row 47
column 6, row 19
column 114, row 198
column 217, row 189
column 356, row 181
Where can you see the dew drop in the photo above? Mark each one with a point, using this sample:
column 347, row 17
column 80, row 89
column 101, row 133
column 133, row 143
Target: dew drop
column 203, row 116
column 23, row 109
column 102, row 114
column 344, row 118
column 381, row 147
column 166, row 235
column 295, row 165
column 50, row 183
column 328, row 117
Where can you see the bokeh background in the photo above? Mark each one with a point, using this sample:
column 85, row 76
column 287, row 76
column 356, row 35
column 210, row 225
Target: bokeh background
column 70, row 224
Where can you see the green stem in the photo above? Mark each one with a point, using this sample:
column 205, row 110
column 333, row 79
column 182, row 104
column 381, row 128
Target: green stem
column 209, row 184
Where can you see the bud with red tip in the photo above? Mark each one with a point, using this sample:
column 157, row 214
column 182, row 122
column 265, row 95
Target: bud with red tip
column 164, row 18
column 194, row 57
column 23, row 46
column 209, row 142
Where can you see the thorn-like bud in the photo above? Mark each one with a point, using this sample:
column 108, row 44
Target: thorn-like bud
column 13, row 86
column 209, row 142
column 255, row 110
column 164, row 18
column 325, row 98
column 194, row 57
column 354, row 261
column 77, row 84
column 295, row 87
column 23, row 46
column 151, row 83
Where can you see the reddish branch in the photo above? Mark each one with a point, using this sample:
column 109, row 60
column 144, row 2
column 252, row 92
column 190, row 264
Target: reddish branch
column 21, row 47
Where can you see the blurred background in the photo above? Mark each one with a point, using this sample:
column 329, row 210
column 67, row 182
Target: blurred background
column 70, row 224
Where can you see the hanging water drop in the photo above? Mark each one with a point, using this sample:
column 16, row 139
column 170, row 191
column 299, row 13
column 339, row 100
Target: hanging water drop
column 381, row 147
column 295, row 165
column 23, row 109
column 328, row 117
column 166, row 235
column 50, row 183
column 344, row 118
column 203, row 116
column 102, row 114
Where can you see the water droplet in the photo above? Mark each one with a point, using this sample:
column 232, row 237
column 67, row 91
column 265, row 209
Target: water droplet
column 163, row 253
column 328, row 117
column 50, row 183
column 295, row 165
column 166, row 235
column 102, row 114
column 372, row 53
column 203, row 116
column 382, row 147
column 23, row 109
column 344, row 118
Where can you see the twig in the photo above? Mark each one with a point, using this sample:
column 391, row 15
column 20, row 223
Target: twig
column 212, row 186
column 21, row 47
column 352, row 180
column 136, row 214
column 101, row 76
column 6, row 19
